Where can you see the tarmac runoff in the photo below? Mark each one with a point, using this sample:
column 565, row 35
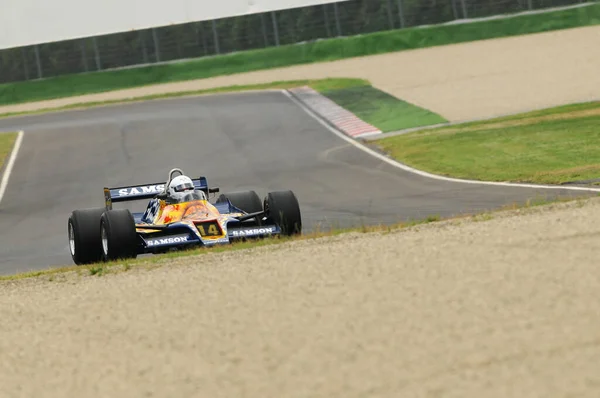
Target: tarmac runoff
column 262, row 141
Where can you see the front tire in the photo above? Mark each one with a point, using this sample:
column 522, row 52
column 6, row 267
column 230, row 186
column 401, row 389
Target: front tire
column 247, row 201
column 282, row 207
column 85, row 243
column 118, row 235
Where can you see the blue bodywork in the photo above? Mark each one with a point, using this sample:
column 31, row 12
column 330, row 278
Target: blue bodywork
column 179, row 235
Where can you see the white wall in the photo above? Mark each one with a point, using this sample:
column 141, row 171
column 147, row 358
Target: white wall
column 26, row 22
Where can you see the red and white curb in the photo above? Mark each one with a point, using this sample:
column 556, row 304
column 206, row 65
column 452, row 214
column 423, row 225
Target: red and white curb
column 342, row 119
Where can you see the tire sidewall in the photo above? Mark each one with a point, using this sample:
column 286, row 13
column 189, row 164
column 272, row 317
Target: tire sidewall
column 118, row 236
column 83, row 230
column 283, row 208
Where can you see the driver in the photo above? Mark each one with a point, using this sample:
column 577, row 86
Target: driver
column 181, row 189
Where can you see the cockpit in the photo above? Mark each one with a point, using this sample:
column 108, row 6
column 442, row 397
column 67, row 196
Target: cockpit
column 181, row 189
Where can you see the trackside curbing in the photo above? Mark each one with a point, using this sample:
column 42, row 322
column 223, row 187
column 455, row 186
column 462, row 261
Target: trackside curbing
column 341, row 118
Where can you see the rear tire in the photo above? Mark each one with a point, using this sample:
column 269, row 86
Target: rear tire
column 282, row 207
column 247, row 201
column 85, row 244
column 118, row 235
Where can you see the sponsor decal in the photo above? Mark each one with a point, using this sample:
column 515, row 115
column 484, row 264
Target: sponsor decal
column 170, row 240
column 253, row 231
column 141, row 190
column 216, row 241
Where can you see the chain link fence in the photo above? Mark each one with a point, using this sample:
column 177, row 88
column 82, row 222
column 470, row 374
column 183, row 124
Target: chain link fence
column 248, row 32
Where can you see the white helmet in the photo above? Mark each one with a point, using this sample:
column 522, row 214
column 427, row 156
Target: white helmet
column 180, row 186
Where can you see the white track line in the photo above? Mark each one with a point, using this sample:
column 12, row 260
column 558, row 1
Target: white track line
column 420, row 172
column 10, row 164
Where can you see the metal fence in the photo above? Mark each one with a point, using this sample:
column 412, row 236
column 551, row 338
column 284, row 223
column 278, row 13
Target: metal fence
column 193, row 40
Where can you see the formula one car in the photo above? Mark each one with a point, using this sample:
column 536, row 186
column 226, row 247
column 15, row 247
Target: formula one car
column 106, row 234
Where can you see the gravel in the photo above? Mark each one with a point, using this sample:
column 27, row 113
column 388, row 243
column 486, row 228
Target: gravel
column 500, row 307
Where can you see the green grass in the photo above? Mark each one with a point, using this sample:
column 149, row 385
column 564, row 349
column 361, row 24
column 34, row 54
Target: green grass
column 325, row 50
column 380, row 109
column 551, row 146
column 7, row 140
column 320, row 84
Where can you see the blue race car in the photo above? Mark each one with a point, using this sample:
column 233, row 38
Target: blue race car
column 178, row 216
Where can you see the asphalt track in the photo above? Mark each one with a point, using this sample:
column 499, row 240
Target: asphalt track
column 260, row 141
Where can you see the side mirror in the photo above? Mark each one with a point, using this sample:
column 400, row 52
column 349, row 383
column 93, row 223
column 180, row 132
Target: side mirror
column 213, row 190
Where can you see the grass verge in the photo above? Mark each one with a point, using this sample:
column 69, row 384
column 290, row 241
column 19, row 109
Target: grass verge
column 7, row 141
column 382, row 110
column 318, row 51
column 318, row 84
column 155, row 261
column 551, row 146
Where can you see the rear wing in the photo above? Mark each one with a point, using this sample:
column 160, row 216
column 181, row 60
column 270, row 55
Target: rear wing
column 146, row 191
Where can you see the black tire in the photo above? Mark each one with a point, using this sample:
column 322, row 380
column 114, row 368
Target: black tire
column 83, row 229
column 282, row 207
column 247, row 201
column 118, row 235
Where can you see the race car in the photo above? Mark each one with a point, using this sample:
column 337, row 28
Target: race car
column 107, row 234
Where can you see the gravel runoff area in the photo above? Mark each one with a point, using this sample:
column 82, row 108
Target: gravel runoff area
column 506, row 307
column 460, row 82
column 497, row 308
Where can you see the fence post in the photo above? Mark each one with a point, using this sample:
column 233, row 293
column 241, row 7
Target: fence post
column 203, row 36
column 530, row 4
column 156, row 45
column 263, row 24
column 337, row 19
column 454, row 9
column 142, row 36
column 401, row 13
column 275, row 29
column 25, row 63
column 326, row 17
column 83, row 55
column 464, row 9
column 389, row 13
column 216, row 36
column 96, row 53
column 37, row 61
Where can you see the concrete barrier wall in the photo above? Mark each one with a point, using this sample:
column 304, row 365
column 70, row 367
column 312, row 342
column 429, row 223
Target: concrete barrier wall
column 28, row 22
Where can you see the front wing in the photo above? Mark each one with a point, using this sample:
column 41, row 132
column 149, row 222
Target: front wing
column 183, row 235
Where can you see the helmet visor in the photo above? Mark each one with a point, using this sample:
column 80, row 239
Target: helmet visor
column 184, row 187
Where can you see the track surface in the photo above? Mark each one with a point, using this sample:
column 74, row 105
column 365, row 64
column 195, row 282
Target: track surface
column 242, row 141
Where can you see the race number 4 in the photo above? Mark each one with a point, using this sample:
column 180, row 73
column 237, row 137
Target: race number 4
column 212, row 230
